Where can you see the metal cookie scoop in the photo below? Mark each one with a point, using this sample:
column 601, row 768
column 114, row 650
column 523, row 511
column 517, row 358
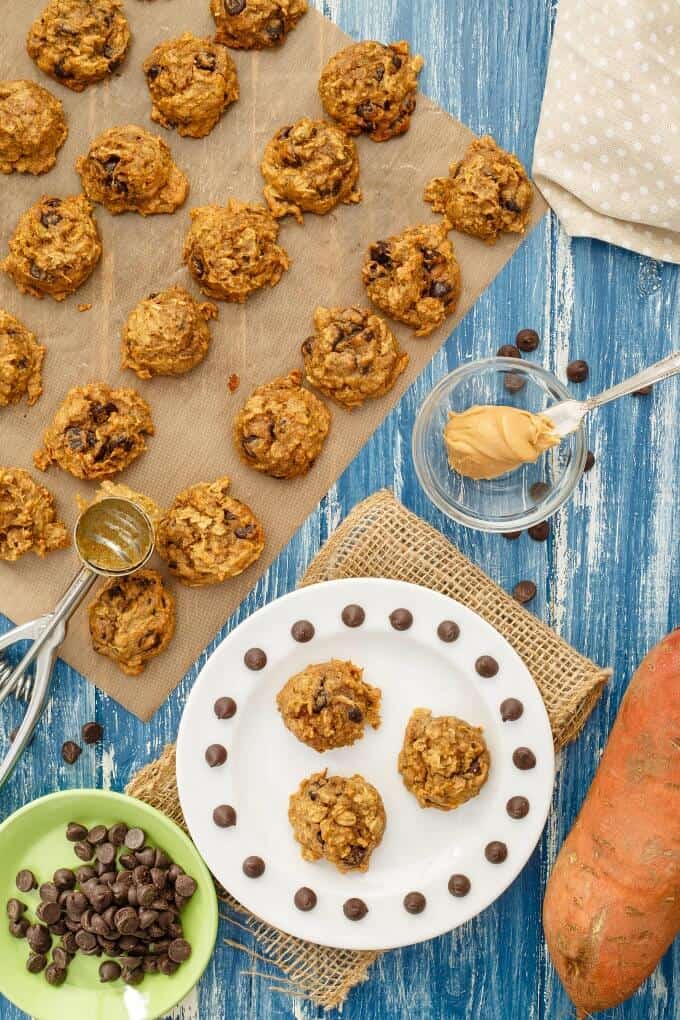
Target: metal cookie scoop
column 113, row 538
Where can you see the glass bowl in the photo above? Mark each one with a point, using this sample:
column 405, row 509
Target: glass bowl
column 520, row 498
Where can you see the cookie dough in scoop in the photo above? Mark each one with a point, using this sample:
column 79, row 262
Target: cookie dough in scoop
column 130, row 170
column 487, row 441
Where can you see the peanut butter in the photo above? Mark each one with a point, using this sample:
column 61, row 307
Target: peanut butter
column 487, row 441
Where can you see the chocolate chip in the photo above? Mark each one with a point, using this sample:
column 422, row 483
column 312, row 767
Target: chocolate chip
column 495, row 852
column 39, row 938
column 15, row 908
column 117, row 833
column 524, row 758
column 302, row 631
column 354, row 909
column 92, row 732
column 132, row 977
column 590, row 461
column 106, row 853
column 508, row 351
column 48, row 892
column 25, row 880
column 517, row 807
column 305, row 898
column 179, row 950
column 84, row 850
column 70, row 752
column 55, row 975
column 215, row 754
column 224, row 816
column 354, row 714
column 69, row 943
column 255, row 659
column 414, row 902
column 511, row 709
column 353, row 616
column 401, row 619
column 439, row 289
column 225, row 708
column 36, row 962
column 448, row 631
column 644, row 391
column 253, row 867
column 539, row 532
column 96, row 835
column 48, row 913
column 524, row 591
column 50, row 219
column 197, row 266
column 486, row 666
column 109, row 971
column 18, row 929
column 205, row 61
column 153, row 72
column 37, row 272
column 514, row 382
column 577, row 371
column 135, row 839
column 64, row 879
column 125, row 920
column 186, row 886
column 527, row 339
column 539, row 490
column 380, row 251
column 511, row 536
column 167, row 966
column 61, row 957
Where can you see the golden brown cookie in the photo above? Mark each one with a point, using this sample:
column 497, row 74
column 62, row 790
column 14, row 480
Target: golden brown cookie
column 414, row 277
column 486, row 193
column 28, row 519
column 167, row 334
column 130, row 170
column 78, row 42
column 132, row 620
column 54, row 248
column 192, row 82
column 255, row 24
column 96, row 432
column 311, row 166
column 32, row 128
column 231, row 250
column 21, row 358
column 328, row 704
column 207, row 536
column 352, row 355
column 371, row 88
column 281, row 428
column 444, row 760
column 338, row 818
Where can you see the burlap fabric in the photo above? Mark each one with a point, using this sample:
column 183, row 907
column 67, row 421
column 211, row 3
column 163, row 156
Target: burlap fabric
column 380, row 538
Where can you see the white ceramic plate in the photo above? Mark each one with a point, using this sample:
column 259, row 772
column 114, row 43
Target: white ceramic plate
column 422, row 848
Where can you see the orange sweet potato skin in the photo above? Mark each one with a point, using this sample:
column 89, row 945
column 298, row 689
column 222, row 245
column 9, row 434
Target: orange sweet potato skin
column 612, row 904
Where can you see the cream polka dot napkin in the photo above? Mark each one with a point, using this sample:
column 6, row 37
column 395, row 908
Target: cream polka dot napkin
column 607, row 152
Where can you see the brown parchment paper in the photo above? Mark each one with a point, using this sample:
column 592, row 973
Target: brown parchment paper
column 257, row 341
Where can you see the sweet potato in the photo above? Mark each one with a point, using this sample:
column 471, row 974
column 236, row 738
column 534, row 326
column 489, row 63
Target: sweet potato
column 612, row 905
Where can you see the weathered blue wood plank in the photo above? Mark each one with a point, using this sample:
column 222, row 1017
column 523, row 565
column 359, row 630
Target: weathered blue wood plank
column 607, row 579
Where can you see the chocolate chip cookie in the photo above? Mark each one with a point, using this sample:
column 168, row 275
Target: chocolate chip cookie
column 207, row 536
column 414, row 277
column 255, row 24
column 444, row 760
column 338, row 818
column 96, row 432
column 28, row 519
column 130, row 170
column 352, row 356
column 167, row 334
column 281, row 428
column 329, row 704
column 231, row 250
column 32, row 127
column 21, row 358
column 192, row 82
column 371, row 88
column 54, row 248
column 78, row 42
column 132, row 620
column 311, row 166
column 486, row 193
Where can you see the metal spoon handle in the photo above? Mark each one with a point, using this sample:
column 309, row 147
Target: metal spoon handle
column 663, row 369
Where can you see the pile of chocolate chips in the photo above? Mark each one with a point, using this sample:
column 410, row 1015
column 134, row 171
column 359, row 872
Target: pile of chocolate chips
column 124, row 902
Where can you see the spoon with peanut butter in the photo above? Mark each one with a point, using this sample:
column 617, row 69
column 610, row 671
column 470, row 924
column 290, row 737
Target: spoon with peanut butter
column 487, row 441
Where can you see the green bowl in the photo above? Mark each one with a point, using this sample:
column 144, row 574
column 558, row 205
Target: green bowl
column 34, row 837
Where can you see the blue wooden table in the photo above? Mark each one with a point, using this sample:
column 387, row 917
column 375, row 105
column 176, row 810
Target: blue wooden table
column 607, row 578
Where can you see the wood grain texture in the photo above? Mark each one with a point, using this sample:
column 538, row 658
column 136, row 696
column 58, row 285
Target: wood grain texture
column 607, row 579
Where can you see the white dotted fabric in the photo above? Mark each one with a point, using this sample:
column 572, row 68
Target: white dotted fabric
column 607, row 152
